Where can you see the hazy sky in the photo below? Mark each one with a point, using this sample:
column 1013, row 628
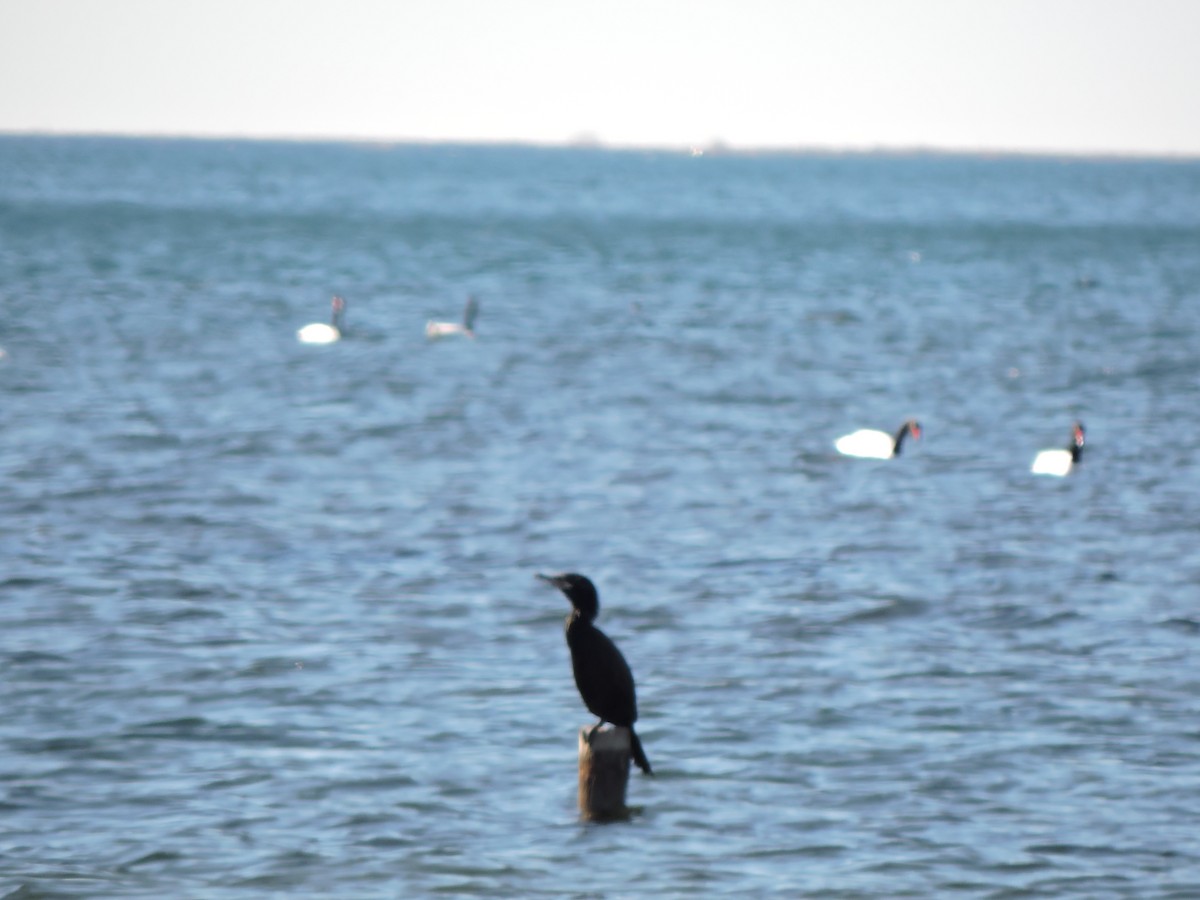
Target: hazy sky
column 1059, row 75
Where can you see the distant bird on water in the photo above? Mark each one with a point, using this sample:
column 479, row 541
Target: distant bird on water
column 601, row 673
column 1060, row 462
column 466, row 327
column 870, row 444
column 321, row 333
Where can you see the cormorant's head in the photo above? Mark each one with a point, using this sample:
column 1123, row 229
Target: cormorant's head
column 579, row 590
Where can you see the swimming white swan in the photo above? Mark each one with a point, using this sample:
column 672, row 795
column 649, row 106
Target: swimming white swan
column 321, row 333
column 1060, row 462
column 870, row 444
column 466, row 327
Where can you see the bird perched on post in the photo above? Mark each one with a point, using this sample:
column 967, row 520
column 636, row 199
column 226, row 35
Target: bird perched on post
column 601, row 673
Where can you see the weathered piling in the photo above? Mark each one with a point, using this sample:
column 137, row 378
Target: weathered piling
column 603, row 772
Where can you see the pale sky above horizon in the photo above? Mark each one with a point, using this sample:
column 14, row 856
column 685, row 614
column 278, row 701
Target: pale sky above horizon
column 1083, row 76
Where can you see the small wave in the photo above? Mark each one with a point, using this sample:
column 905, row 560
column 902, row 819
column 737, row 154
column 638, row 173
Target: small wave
column 1064, row 849
column 1184, row 625
column 177, row 589
column 222, row 784
column 888, row 611
column 68, row 744
column 1013, row 616
column 35, row 657
column 18, row 582
column 358, row 785
column 150, row 859
column 133, row 442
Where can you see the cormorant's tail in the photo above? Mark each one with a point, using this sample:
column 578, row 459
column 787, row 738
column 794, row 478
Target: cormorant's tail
column 639, row 755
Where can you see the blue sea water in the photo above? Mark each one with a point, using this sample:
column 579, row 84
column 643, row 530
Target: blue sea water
column 268, row 621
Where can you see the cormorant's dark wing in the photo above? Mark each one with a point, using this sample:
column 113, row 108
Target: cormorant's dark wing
column 602, row 676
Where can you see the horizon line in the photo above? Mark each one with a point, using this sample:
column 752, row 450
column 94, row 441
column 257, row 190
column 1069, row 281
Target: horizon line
column 714, row 147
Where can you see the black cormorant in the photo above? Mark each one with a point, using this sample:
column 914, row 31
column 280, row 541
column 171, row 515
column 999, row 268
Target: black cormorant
column 601, row 673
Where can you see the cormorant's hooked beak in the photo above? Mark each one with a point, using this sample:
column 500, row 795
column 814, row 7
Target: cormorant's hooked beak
column 559, row 582
column 555, row 580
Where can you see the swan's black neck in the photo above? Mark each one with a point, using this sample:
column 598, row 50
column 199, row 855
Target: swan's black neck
column 1077, row 443
column 900, row 436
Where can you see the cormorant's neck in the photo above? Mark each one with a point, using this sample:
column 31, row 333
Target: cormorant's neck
column 582, row 617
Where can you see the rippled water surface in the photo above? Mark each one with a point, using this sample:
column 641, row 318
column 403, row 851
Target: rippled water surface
column 268, row 621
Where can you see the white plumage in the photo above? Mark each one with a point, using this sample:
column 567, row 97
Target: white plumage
column 1052, row 462
column 318, row 333
column 867, row 443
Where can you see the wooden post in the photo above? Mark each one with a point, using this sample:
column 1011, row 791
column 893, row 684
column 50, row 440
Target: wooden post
column 603, row 772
